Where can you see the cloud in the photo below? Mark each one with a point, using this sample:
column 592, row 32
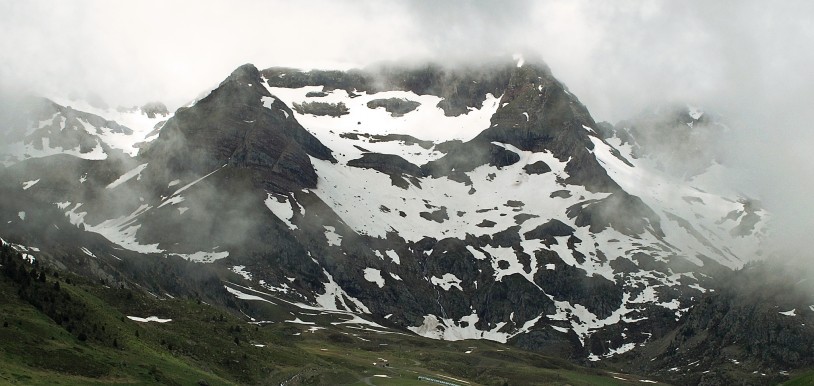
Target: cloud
column 749, row 60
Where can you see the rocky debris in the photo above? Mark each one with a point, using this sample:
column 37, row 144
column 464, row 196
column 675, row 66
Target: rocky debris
column 387, row 164
column 548, row 231
column 748, row 217
column 537, row 114
column 397, row 107
column 461, row 89
column 403, row 138
column 466, row 157
column 438, row 215
column 322, row 108
column 598, row 294
column 745, row 324
column 538, row 167
column 523, row 217
column 486, row 224
column 560, row 194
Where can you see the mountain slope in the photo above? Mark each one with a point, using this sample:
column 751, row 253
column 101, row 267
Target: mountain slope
column 61, row 328
column 474, row 203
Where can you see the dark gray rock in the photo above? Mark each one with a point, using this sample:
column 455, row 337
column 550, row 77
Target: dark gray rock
column 232, row 127
column 395, row 106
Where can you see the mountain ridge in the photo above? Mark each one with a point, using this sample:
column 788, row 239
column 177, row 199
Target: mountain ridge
column 512, row 217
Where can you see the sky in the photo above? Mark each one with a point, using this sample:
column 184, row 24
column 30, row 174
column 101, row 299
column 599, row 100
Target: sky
column 747, row 60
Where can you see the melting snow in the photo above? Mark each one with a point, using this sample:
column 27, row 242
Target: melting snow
column 202, row 256
column 241, row 270
column 334, row 294
column 120, row 230
column 244, row 296
column 792, row 312
column 297, row 320
column 447, row 281
column 267, row 101
column 29, row 184
column 448, row 329
column 127, row 176
column 422, row 123
column 281, row 208
column 393, row 256
column 374, row 275
column 149, row 319
column 333, row 238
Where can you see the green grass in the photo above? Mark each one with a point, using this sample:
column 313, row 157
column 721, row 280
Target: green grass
column 802, row 379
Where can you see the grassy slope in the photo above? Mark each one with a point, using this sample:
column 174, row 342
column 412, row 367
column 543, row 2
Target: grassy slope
column 206, row 344
column 801, row 379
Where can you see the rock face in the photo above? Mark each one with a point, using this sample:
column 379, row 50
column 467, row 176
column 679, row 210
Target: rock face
column 461, row 89
column 495, row 209
column 241, row 125
column 759, row 317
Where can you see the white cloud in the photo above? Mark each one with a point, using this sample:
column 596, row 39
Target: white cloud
column 747, row 59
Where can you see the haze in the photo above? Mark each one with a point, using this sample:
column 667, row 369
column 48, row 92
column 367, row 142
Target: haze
column 748, row 60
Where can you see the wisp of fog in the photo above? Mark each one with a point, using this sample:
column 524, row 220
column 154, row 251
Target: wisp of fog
column 746, row 60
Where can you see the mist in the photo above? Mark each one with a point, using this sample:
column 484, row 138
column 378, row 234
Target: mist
column 746, row 60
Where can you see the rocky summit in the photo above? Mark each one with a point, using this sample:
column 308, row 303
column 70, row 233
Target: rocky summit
column 452, row 203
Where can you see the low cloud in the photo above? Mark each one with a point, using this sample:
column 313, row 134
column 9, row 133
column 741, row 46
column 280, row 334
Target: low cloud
column 748, row 60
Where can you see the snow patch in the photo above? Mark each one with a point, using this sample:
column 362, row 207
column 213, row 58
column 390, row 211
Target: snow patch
column 447, row 281
column 241, row 270
column 202, row 256
column 127, row 176
column 267, row 101
column 29, row 184
column 393, row 256
column 792, row 312
column 333, row 238
column 374, row 275
column 464, row 328
column 149, row 319
column 281, row 207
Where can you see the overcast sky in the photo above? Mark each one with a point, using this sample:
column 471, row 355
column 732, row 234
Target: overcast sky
column 749, row 60
column 615, row 55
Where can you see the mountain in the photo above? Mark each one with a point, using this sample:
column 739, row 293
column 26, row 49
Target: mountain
column 481, row 202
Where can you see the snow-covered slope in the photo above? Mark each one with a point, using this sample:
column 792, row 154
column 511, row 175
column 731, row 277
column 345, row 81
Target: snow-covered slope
column 45, row 128
column 477, row 203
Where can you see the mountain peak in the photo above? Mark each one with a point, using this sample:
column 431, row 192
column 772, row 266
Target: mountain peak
column 246, row 72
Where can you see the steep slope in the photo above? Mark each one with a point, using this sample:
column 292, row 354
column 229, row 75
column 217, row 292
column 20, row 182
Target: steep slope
column 474, row 203
column 753, row 329
column 241, row 125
